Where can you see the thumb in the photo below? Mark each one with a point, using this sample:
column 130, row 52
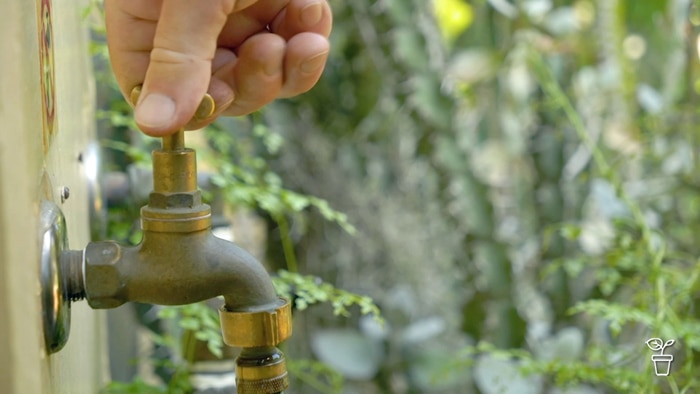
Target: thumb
column 180, row 63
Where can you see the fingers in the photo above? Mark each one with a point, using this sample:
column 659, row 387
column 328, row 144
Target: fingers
column 179, row 49
column 180, row 63
column 265, row 69
column 256, row 76
column 243, row 4
column 303, row 16
column 305, row 24
column 130, row 30
column 304, row 63
column 284, row 17
column 220, row 91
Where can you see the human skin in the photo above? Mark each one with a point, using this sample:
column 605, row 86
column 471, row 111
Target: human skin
column 244, row 53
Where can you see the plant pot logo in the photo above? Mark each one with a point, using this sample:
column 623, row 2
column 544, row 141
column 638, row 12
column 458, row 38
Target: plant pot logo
column 662, row 362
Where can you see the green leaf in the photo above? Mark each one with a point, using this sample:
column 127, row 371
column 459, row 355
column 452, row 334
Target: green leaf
column 309, row 291
column 190, row 324
column 617, row 314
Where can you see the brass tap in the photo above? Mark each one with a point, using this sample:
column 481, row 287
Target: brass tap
column 260, row 368
column 180, row 261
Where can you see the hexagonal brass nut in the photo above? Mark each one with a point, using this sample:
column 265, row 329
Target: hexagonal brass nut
column 104, row 287
column 175, row 200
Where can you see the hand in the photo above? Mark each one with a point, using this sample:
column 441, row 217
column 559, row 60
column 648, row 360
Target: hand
column 244, row 53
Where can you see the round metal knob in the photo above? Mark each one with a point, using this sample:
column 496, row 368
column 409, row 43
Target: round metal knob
column 176, row 140
column 55, row 303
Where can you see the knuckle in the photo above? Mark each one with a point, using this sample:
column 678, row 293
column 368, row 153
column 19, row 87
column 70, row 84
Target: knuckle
column 166, row 55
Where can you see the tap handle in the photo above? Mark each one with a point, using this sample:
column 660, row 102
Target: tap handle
column 176, row 141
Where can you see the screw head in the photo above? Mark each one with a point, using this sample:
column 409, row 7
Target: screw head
column 65, row 193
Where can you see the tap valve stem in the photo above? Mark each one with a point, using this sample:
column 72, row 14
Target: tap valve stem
column 175, row 205
column 174, row 142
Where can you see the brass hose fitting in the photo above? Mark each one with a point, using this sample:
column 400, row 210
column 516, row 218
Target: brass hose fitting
column 261, row 371
column 257, row 329
column 261, row 367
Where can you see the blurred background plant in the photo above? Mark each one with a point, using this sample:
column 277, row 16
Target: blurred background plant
column 519, row 180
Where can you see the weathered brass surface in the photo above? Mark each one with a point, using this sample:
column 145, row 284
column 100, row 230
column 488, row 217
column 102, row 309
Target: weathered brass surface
column 261, row 370
column 135, row 93
column 264, row 328
column 174, row 269
column 175, row 205
column 174, row 171
column 205, row 109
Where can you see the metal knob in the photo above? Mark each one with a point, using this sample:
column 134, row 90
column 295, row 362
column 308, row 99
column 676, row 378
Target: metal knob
column 176, row 141
column 175, row 205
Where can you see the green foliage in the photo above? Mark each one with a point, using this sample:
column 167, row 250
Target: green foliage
column 640, row 279
column 178, row 384
column 317, row 375
column 245, row 177
column 135, row 153
column 617, row 315
column 596, row 369
column 199, row 323
column 137, row 386
column 514, row 122
column 307, row 290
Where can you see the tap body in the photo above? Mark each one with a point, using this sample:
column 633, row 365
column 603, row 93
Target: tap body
column 179, row 261
column 176, row 269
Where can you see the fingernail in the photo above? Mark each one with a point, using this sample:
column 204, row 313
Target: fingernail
column 155, row 110
column 314, row 63
column 311, row 14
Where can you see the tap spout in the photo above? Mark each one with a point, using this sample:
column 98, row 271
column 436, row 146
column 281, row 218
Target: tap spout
column 176, row 269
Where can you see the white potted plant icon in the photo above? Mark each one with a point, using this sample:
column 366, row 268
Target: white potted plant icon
column 662, row 362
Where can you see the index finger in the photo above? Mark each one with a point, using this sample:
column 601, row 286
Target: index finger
column 180, row 63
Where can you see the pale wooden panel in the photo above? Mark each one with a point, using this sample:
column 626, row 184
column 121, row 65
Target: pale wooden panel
column 24, row 367
column 81, row 367
column 22, row 364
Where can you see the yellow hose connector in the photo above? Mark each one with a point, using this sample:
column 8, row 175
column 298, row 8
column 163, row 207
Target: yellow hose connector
column 261, row 368
column 257, row 329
